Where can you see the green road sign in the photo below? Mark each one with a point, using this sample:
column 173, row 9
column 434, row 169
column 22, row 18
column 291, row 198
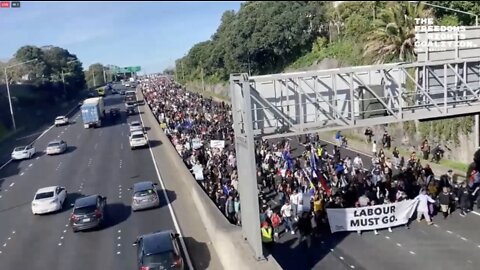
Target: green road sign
column 126, row 69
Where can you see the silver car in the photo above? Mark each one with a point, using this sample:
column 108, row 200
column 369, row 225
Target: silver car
column 144, row 196
column 56, row 147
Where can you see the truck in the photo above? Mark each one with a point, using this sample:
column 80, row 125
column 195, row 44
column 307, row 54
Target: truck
column 93, row 111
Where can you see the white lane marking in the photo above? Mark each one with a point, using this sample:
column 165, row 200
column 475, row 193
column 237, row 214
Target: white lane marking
column 4, row 245
column 341, row 258
column 95, row 147
column 352, row 266
column 449, row 232
column 476, row 213
column 58, row 136
column 120, row 196
column 30, row 165
column 62, row 237
column 121, row 146
column 9, row 238
column 78, row 136
column 119, row 231
column 64, row 231
column 122, row 133
column 66, row 128
column 118, row 252
column 0, row 196
column 66, row 225
column 388, row 237
column 331, row 250
column 59, row 244
column 13, row 232
column 470, row 262
column 399, row 245
column 435, row 225
column 101, row 131
column 464, row 239
column 175, row 222
column 411, row 252
column 62, row 132
column 12, row 184
column 119, row 237
column 37, row 158
column 22, row 173
column 119, row 245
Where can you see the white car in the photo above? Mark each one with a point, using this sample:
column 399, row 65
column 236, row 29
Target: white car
column 23, row 152
column 137, row 139
column 127, row 84
column 61, row 120
column 135, row 126
column 49, row 199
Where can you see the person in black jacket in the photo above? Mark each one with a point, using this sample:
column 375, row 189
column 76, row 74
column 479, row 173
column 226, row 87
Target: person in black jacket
column 305, row 228
column 464, row 196
column 445, row 199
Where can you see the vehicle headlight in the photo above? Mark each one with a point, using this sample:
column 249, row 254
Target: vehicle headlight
column 34, row 204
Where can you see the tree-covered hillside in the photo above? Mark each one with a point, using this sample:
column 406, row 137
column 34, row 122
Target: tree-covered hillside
column 270, row 37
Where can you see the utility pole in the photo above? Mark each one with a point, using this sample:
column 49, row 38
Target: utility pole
column 104, row 76
column 94, row 82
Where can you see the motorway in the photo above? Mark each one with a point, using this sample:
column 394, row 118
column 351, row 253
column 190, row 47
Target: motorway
column 448, row 244
column 98, row 161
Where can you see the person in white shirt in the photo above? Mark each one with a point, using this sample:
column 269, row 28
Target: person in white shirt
column 294, row 202
column 374, row 148
column 286, row 212
column 357, row 163
column 422, row 207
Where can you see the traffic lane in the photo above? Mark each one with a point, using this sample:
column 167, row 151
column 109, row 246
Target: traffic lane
column 463, row 229
column 436, row 248
column 19, row 190
column 138, row 166
column 322, row 253
column 95, row 249
column 47, row 135
column 45, row 235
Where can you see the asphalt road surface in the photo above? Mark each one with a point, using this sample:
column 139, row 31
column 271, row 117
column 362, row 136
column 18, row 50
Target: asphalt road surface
column 98, row 161
column 448, row 244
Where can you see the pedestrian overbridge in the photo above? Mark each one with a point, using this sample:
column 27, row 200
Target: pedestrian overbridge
column 288, row 104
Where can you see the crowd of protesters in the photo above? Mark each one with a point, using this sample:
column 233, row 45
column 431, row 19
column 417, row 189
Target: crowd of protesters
column 297, row 177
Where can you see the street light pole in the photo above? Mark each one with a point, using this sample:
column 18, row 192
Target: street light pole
column 10, row 101
column 8, row 91
column 63, row 81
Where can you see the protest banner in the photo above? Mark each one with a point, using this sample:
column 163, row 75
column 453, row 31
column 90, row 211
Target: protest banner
column 217, row 144
column 371, row 217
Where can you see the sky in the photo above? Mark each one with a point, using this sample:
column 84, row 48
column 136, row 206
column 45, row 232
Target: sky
column 147, row 34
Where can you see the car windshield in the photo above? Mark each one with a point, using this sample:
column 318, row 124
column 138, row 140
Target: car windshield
column 137, row 136
column 44, row 195
column 135, row 124
column 165, row 259
column 18, row 149
column 144, row 193
column 55, row 144
column 59, row 118
column 84, row 210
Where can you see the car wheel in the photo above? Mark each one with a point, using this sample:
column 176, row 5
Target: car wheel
column 74, row 231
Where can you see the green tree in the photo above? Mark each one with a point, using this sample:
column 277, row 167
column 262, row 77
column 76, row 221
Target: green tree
column 393, row 37
column 94, row 75
column 463, row 19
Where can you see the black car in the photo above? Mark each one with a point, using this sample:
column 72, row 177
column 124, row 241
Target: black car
column 159, row 250
column 122, row 92
column 88, row 213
